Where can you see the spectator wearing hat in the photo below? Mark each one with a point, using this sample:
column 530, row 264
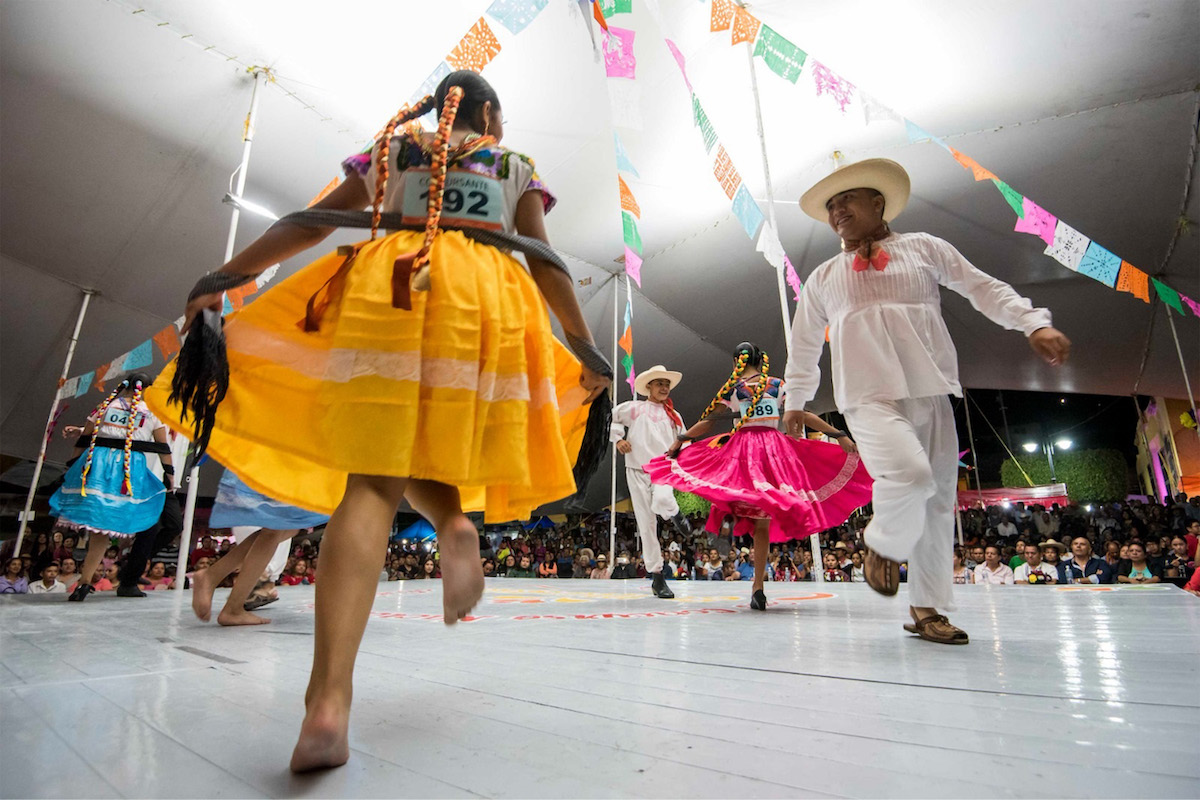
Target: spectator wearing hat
column 1052, row 554
column 894, row 365
column 644, row 430
column 1083, row 566
column 841, row 550
column 601, row 571
column 745, row 564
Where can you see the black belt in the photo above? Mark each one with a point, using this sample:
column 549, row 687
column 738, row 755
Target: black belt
column 119, row 444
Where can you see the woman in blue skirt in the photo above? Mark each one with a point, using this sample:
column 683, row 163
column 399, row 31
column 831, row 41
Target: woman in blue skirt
column 110, row 489
column 238, row 505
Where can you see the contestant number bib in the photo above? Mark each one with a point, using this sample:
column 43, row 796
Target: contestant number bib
column 766, row 409
column 120, row 418
column 469, row 201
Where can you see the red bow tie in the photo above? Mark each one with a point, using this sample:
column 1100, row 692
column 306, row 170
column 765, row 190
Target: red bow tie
column 879, row 260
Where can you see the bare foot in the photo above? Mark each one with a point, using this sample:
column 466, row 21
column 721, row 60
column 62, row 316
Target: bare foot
column 202, row 594
column 324, row 739
column 462, row 574
column 238, row 616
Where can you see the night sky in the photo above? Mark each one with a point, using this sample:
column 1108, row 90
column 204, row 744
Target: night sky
column 1090, row 421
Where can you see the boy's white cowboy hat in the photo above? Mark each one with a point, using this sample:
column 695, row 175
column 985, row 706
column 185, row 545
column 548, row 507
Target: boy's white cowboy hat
column 657, row 372
column 881, row 174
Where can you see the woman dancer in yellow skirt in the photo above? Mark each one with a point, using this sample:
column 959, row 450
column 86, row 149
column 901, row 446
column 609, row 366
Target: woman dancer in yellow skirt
column 417, row 364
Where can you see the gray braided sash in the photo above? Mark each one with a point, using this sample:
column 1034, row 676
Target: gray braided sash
column 214, row 282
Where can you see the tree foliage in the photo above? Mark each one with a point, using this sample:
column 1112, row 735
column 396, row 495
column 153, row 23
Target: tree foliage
column 691, row 504
column 1091, row 476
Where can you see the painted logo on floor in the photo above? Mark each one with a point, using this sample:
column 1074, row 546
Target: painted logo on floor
column 519, row 600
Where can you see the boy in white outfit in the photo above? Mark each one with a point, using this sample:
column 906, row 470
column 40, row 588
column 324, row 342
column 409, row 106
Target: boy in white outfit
column 893, row 366
column 652, row 427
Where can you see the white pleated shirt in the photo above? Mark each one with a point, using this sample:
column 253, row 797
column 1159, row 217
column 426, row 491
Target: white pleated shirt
column 651, row 430
column 886, row 333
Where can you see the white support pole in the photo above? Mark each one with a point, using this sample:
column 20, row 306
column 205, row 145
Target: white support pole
column 813, row 541
column 193, row 476
column 41, row 459
column 762, row 142
column 612, row 508
column 1183, row 366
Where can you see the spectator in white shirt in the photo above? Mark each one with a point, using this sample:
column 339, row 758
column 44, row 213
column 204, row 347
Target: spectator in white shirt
column 1040, row 571
column 991, row 570
column 1006, row 528
column 49, row 584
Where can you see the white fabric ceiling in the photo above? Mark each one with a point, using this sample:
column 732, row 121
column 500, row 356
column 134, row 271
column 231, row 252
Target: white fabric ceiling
column 118, row 137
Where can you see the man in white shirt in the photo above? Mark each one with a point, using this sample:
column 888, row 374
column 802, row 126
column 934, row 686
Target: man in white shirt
column 1007, row 528
column 49, row 584
column 642, row 430
column 893, row 366
column 992, row 570
column 1034, row 566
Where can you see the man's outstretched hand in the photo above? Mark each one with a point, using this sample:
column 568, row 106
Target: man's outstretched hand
column 1051, row 344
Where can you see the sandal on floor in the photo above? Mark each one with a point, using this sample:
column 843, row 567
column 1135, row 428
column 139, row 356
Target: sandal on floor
column 938, row 629
column 258, row 602
column 882, row 574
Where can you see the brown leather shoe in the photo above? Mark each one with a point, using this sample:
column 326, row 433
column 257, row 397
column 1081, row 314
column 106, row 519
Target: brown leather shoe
column 938, row 629
column 882, row 574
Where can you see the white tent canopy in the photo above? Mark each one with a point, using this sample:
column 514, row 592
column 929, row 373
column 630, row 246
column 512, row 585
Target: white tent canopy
column 122, row 123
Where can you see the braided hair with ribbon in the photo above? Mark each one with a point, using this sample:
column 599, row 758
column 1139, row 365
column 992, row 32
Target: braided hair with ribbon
column 98, row 414
column 747, row 354
column 130, row 427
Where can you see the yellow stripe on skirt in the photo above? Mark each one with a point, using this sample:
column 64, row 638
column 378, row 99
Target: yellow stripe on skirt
column 470, row 388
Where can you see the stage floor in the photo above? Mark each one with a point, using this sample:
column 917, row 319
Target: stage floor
column 589, row 689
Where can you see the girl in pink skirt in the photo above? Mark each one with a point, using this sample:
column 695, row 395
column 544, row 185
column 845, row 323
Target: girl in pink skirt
column 779, row 487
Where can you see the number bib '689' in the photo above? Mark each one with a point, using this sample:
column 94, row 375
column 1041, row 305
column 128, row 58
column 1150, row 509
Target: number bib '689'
column 470, row 200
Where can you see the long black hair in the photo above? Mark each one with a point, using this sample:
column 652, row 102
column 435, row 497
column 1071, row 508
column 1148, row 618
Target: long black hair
column 476, row 92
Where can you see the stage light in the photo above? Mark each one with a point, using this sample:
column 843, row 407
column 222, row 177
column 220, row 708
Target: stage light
column 1006, row 504
column 1063, row 444
column 1088, row 507
column 1030, row 447
column 245, row 205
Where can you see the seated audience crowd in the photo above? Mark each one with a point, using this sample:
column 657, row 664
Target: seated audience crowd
column 1125, row 543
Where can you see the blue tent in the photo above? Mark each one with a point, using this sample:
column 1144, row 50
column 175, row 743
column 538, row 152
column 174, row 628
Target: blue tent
column 540, row 522
column 420, row 530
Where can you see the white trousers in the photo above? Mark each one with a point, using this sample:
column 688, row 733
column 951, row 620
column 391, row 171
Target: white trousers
column 910, row 447
column 278, row 561
column 650, row 501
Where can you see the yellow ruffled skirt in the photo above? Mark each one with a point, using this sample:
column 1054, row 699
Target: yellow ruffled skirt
column 470, row 388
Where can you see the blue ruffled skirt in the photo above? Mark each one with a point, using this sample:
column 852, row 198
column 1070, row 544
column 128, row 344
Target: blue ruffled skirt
column 237, row 504
column 104, row 508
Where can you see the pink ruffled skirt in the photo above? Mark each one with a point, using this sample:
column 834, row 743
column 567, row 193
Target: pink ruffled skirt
column 802, row 486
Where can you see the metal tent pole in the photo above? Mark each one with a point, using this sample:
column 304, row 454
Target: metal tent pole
column 41, row 459
column 193, row 477
column 612, row 508
column 1183, row 366
column 785, row 312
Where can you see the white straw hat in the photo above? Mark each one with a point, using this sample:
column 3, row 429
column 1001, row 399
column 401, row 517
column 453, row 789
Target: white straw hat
column 657, row 372
column 881, row 174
